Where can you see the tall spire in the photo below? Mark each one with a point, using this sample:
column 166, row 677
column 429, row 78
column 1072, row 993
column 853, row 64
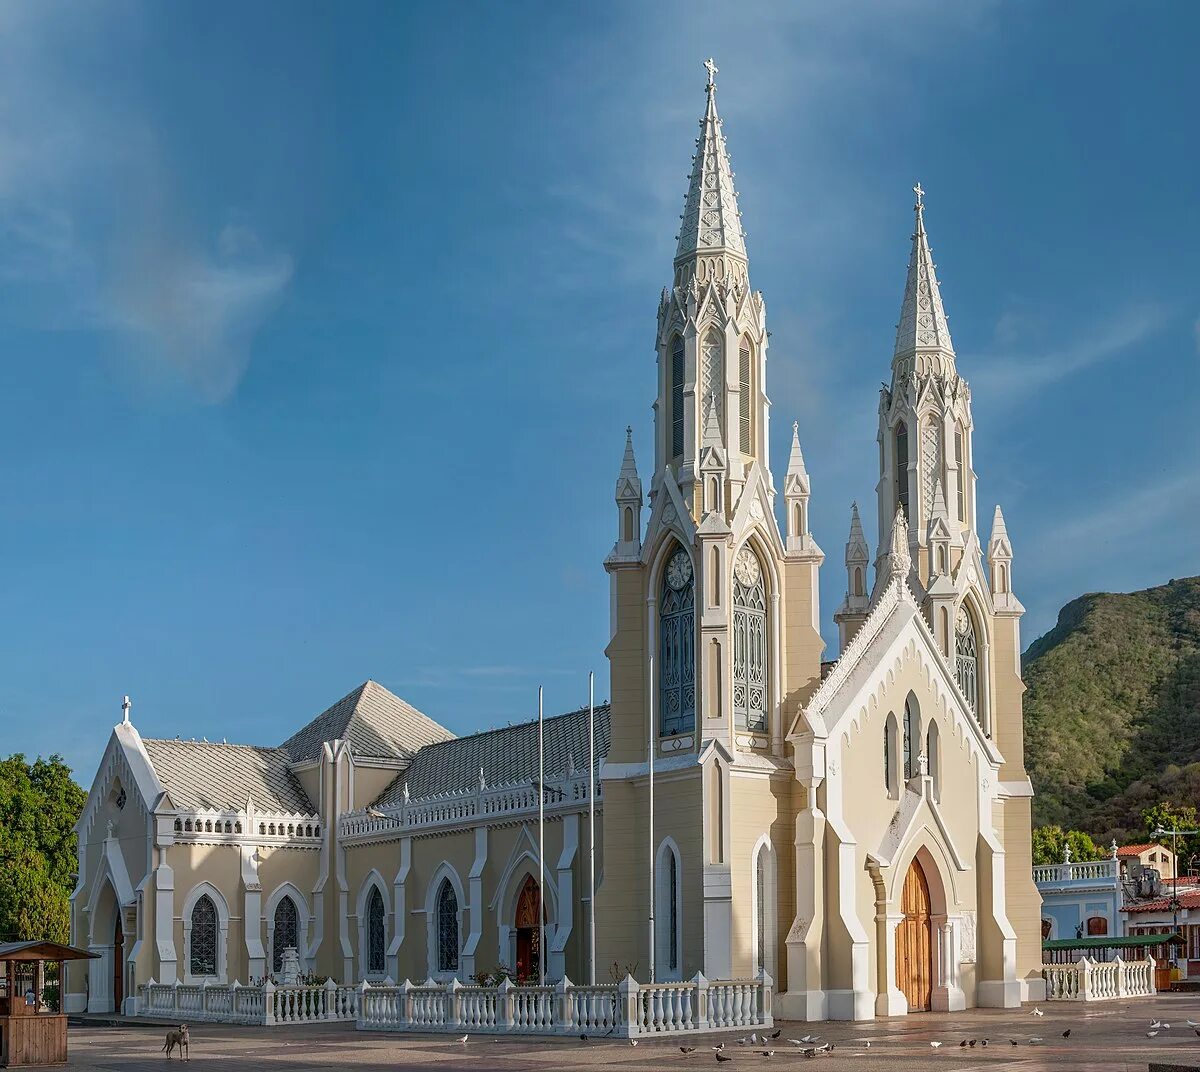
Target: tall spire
column 628, row 496
column 923, row 323
column 711, row 222
column 796, row 460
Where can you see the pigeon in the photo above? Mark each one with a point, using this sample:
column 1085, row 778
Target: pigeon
column 768, row 1053
column 1014, row 1042
column 633, row 1042
column 1035, row 1040
column 742, row 1041
column 1037, row 1011
column 1151, row 1034
column 984, row 1042
column 1156, row 1024
column 963, row 1043
column 1193, row 1023
column 934, row 1045
column 753, row 1037
column 463, row 1040
column 719, row 1047
column 1197, row 1030
column 685, row 1050
column 867, row 1044
column 810, row 1052
column 973, row 1041
column 583, row 1038
column 1067, row 1033
column 722, row 1057
column 775, row 1034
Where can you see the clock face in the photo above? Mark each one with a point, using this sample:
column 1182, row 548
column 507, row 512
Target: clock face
column 746, row 567
column 962, row 624
column 679, row 570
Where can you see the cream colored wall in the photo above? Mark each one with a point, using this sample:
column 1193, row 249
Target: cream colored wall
column 219, row 865
column 802, row 644
column 627, row 665
column 370, row 781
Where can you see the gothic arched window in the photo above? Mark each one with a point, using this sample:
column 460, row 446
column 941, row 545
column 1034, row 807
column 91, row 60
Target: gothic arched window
column 286, row 932
column 447, row 928
column 909, row 765
column 714, row 375
column 376, row 933
column 891, row 779
column 902, row 468
column 966, row 658
column 749, row 643
column 677, row 647
column 204, row 937
column 667, row 895
column 961, row 461
column 676, row 386
column 933, row 759
column 746, row 397
column 931, row 463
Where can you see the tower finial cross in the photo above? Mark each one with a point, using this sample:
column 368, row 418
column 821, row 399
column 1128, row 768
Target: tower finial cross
column 712, row 70
column 920, row 196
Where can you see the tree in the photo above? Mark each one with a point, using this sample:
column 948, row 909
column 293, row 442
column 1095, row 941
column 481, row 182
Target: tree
column 1050, row 844
column 1166, row 815
column 39, row 806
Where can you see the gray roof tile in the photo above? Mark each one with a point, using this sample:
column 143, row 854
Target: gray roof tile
column 202, row 775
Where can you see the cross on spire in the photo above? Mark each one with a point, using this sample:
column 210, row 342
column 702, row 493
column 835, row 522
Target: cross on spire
column 712, row 70
column 920, row 197
column 126, row 704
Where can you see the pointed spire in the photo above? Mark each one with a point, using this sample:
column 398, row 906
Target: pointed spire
column 939, row 512
column 712, row 426
column 923, row 323
column 856, row 545
column 628, row 462
column 629, row 484
column 796, row 460
column 711, row 222
column 999, row 529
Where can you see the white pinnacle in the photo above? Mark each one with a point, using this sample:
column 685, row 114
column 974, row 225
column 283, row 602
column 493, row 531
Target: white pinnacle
column 856, row 545
column 923, row 324
column 796, row 461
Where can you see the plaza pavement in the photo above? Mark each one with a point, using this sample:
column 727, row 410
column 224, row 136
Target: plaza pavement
column 1104, row 1036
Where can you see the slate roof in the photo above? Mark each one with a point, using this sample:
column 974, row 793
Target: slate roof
column 203, row 775
column 375, row 722
column 506, row 755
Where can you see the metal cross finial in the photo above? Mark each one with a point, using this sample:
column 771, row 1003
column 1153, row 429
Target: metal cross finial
column 712, row 70
column 920, row 197
column 795, row 428
column 126, row 704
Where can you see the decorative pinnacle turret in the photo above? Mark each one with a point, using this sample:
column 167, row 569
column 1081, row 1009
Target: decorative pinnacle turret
column 629, row 484
column 856, row 545
column 923, row 323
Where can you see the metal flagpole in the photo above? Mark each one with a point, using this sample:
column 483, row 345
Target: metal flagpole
column 650, row 752
column 541, row 847
column 591, row 828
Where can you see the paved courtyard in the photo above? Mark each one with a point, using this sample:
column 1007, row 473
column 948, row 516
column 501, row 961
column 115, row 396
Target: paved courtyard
column 1103, row 1036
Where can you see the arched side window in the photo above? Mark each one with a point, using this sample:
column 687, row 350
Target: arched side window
column 746, row 397
column 966, row 658
column 891, row 779
column 931, row 462
column 1097, row 925
column 901, row 476
column 286, row 932
column 909, row 729
column 447, row 928
column 676, row 397
column 376, row 933
column 204, row 938
column 858, row 581
column 677, row 647
column 714, row 374
column 667, row 913
column 933, row 759
column 961, row 461
column 765, row 910
column 749, row 642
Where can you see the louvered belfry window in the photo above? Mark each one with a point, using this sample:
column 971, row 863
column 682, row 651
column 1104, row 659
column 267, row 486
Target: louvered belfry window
column 287, row 932
column 749, row 643
column 677, row 647
column 376, row 933
column 204, row 937
column 746, row 399
column 902, row 469
column 677, row 398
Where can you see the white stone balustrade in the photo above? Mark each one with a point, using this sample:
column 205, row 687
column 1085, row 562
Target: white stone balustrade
column 626, row 1010
column 1098, row 980
column 236, row 1004
column 1077, row 873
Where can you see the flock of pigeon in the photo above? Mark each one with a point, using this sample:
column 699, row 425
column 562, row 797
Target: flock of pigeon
column 813, row 1046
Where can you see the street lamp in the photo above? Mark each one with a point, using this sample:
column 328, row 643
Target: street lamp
column 1159, row 832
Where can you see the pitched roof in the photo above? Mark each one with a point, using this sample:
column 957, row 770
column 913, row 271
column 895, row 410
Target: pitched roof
column 375, row 721
column 1188, row 898
column 204, row 775
column 505, row 755
column 1137, row 850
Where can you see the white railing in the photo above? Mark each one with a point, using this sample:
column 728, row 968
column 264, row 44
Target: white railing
column 626, row 1010
column 1092, row 980
column 210, row 826
column 1077, row 871
column 485, row 803
column 236, row 1004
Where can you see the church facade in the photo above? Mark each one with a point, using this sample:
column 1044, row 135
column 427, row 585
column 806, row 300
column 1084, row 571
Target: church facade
column 857, row 830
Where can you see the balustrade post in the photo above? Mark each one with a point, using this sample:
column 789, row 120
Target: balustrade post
column 406, row 1003
column 363, row 1019
column 204, row 985
column 561, row 1013
column 175, row 1000
column 453, row 1003
column 268, row 1002
column 768, row 998
column 1150, row 977
column 1085, row 979
column 701, row 994
column 331, row 1010
column 1120, row 976
column 629, row 1020
column 504, row 1004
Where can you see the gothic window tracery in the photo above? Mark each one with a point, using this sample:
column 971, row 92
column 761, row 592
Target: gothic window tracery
column 749, row 642
column 677, row 397
column 447, row 928
column 203, row 959
column 376, row 933
column 966, row 658
column 677, row 647
column 931, row 458
column 714, row 375
column 286, row 933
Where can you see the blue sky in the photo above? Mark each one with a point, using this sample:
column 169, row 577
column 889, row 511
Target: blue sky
column 320, row 325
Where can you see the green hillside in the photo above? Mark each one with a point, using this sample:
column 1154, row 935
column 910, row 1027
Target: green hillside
column 1112, row 715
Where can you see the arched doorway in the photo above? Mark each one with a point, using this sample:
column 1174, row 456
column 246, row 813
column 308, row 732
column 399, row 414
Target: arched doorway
column 528, row 930
column 118, row 965
column 914, row 941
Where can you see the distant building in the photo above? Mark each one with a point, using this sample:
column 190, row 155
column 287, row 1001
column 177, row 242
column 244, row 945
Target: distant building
column 1159, row 857
column 1159, row 915
column 1080, row 899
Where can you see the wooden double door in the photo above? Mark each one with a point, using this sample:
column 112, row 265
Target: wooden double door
column 914, row 941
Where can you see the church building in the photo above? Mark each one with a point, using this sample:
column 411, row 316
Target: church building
column 857, row 831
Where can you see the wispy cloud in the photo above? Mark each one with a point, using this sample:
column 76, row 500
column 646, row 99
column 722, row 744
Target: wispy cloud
column 1008, row 374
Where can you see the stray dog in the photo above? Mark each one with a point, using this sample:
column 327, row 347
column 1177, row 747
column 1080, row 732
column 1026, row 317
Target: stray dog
column 178, row 1038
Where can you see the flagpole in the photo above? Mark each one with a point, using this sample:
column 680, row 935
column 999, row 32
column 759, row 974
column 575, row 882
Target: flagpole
column 591, row 828
column 650, row 753
column 541, row 848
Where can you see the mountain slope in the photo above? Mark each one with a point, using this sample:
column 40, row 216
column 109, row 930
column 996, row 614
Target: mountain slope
column 1112, row 715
